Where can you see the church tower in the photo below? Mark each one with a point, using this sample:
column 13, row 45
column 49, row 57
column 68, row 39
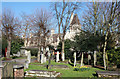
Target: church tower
column 74, row 27
column 75, row 24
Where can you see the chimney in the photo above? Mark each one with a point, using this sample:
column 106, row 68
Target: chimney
column 52, row 31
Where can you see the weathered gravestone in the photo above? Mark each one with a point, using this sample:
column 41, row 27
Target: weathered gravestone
column 7, row 69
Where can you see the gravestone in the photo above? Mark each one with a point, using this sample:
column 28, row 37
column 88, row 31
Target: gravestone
column 42, row 58
column 95, row 59
column 89, row 59
column 48, row 54
column 28, row 56
column 26, row 64
column 57, row 56
column 18, row 54
column 74, row 59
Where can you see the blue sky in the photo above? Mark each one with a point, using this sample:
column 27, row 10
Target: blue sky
column 30, row 7
column 27, row 7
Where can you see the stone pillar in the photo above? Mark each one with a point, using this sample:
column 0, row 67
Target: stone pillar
column 74, row 59
column 57, row 56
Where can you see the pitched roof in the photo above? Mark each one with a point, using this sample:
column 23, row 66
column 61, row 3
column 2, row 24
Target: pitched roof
column 75, row 20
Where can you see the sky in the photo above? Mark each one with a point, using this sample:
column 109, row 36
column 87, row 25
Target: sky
column 29, row 7
column 25, row 7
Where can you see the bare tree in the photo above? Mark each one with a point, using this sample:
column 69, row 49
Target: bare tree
column 110, row 24
column 103, row 20
column 26, row 28
column 63, row 12
column 41, row 21
column 10, row 24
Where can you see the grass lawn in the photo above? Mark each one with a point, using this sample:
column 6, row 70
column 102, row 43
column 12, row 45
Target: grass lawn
column 65, row 72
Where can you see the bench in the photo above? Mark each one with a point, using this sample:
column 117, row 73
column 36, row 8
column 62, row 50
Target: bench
column 108, row 73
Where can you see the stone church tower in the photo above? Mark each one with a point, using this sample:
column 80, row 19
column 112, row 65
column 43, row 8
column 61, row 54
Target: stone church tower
column 74, row 27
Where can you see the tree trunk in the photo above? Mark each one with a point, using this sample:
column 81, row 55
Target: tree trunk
column 38, row 55
column 49, row 61
column 63, row 54
column 8, row 48
column 25, row 42
column 106, row 60
column 104, row 52
column 95, row 58
column 82, row 59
